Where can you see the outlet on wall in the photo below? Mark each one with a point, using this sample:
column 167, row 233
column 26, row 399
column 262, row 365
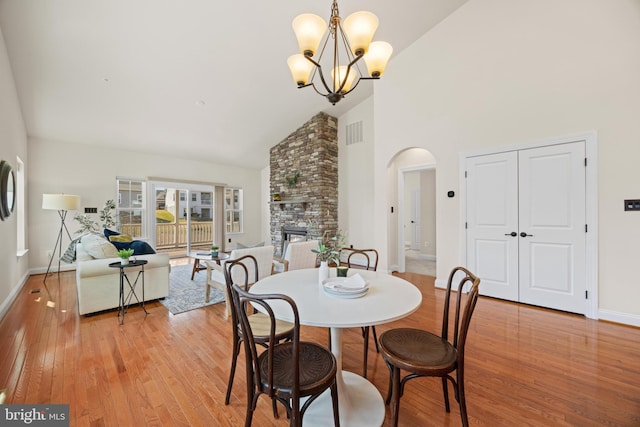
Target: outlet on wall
column 426, row 244
column 49, row 254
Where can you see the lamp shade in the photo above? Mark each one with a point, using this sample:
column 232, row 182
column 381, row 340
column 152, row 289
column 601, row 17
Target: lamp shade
column 301, row 68
column 60, row 202
column 309, row 29
column 340, row 76
column 377, row 58
column 359, row 28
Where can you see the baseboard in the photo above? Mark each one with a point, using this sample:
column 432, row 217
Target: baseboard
column 4, row 308
column 42, row 270
column 618, row 317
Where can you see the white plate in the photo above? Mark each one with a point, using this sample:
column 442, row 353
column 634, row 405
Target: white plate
column 361, row 292
column 334, row 284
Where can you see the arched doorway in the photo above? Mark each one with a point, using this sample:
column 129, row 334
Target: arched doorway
column 412, row 228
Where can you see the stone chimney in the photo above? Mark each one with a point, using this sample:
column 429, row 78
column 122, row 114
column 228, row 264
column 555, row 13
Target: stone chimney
column 311, row 202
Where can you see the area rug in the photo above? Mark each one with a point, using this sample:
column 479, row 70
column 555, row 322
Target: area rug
column 186, row 294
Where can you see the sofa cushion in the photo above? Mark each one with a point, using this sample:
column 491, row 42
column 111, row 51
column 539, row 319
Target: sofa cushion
column 108, row 233
column 98, row 247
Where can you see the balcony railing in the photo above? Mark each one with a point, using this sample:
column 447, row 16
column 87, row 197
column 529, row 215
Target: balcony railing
column 175, row 235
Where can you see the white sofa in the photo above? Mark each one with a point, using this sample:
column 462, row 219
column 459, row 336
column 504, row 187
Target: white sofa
column 99, row 285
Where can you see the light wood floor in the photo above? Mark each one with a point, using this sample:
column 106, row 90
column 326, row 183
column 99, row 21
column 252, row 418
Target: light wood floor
column 525, row 366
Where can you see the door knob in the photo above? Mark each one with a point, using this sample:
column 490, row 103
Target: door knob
column 512, row 234
column 523, row 234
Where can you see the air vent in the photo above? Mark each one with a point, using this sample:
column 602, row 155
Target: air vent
column 354, row 133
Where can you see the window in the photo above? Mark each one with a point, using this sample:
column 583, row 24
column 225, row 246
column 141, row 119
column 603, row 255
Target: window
column 131, row 207
column 233, row 210
column 205, row 198
column 194, row 197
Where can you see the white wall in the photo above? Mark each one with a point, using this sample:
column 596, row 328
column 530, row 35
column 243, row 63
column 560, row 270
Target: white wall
column 428, row 213
column 13, row 142
column 355, row 170
column 500, row 72
column 57, row 167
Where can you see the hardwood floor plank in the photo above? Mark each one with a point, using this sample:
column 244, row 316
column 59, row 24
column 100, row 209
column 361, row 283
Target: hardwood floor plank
column 525, row 366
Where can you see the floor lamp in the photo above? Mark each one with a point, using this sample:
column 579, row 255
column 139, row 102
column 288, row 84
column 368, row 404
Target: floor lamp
column 61, row 203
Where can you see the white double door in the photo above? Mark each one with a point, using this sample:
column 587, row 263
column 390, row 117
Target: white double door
column 526, row 231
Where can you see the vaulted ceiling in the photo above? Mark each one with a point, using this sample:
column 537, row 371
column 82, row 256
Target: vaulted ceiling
column 198, row 79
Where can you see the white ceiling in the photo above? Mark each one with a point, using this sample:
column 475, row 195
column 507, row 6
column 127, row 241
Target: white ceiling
column 197, row 79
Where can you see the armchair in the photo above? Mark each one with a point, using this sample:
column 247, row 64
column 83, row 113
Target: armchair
column 297, row 255
column 215, row 272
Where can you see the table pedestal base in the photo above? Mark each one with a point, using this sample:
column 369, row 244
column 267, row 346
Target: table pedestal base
column 361, row 404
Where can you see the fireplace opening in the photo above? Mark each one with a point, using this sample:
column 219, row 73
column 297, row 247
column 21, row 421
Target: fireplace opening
column 290, row 235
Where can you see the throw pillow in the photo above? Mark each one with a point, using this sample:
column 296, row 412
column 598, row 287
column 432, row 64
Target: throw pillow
column 120, row 238
column 108, row 233
column 98, row 247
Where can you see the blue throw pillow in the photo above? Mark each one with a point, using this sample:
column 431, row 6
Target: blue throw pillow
column 141, row 247
column 108, row 233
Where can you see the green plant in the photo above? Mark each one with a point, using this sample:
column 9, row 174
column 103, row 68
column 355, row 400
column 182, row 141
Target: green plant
column 292, row 181
column 105, row 214
column 215, row 248
column 125, row 253
column 329, row 247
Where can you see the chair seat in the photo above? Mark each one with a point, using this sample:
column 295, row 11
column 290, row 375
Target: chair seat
column 317, row 368
column 261, row 327
column 418, row 351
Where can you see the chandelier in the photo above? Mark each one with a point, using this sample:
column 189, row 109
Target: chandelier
column 351, row 41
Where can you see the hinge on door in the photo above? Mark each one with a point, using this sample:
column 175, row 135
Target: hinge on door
column 585, row 161
column 465, row 174
column 586, row 228
column 586, row 294
column 465, row 226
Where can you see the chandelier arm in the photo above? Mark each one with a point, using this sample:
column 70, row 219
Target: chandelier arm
column 319, row 71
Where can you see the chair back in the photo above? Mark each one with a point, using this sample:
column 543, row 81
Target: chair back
column 243, row 301
column 262, row 254
column 462, row 314
column 359, row 258
column 300, row 256
column 236, row 271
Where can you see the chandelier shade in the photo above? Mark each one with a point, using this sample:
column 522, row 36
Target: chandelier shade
column 359, row 28
column 344, row 44
column 377, row 57
column 309, row 29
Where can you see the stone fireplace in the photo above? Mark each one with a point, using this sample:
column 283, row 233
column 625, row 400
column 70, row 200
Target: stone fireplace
column 311, row 204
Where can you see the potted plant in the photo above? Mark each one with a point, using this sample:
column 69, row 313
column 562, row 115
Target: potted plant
column 124, row 255
column 214, row 250
column 328, row 251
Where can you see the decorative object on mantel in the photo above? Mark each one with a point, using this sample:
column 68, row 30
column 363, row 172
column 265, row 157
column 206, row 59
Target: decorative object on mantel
column 351, row 41
column 61, row 203
column 276, row 197
column 292, row 181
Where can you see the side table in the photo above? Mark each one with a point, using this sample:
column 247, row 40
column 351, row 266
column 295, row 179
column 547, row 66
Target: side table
column 124, row 302
column 204, row 256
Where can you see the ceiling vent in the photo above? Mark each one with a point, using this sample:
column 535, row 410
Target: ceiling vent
column 354, row 133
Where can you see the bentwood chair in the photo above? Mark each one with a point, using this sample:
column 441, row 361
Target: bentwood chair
column 423, row 354
column 286, row 371
column 366, row 259
column 237, row 272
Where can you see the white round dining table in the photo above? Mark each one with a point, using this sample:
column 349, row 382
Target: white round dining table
column 389, row 298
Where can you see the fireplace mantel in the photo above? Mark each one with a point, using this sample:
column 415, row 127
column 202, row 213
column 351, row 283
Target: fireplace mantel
column 281, row 203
